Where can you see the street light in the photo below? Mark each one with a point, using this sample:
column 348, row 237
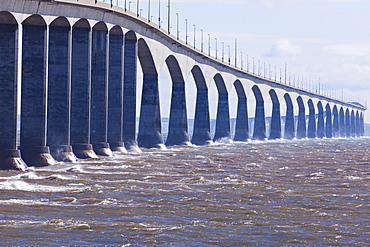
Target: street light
column 159, row 13
column 216, row 47
column 194, row 35
column 169, row 16
column 137, row 7
column 149, row 18
column 201, row 42
column 186, row 31
column 129, row 5
column 209, row 45
column 125, row 5
column 223, row 51
column 177, row 25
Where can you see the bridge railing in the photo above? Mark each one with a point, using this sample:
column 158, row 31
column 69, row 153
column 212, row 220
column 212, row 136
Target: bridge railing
column 314, row 87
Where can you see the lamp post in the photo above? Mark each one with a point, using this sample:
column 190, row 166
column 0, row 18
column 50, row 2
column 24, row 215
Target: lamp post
column 149, row 18
column 223, row 51
column 125, row 5
column 209, row 45
column 186, row 31
column 216, row 48
column 159, row 13
column 137, row 7
column 201, row 41
column 169, row 17
column 194, row 35
column 129, row 5
column 177, row 26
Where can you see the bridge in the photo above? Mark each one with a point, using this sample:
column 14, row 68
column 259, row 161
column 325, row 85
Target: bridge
column 68, row 74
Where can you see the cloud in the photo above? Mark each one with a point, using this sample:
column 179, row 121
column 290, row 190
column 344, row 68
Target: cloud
column 359, row 50
column 284, row 47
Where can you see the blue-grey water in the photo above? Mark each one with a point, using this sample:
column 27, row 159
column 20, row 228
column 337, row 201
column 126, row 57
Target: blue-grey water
column 273, row 193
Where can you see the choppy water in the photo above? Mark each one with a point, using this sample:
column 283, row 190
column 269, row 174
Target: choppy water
column 279, row 193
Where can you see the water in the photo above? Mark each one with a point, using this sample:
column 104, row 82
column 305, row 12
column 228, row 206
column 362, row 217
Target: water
column 279, row 193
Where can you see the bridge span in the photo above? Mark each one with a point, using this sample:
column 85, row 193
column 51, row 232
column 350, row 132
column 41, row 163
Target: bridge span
column 68, row 74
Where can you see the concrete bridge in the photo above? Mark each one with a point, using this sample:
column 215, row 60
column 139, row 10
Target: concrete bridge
column 68, row 68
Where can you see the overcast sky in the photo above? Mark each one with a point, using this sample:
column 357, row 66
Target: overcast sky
column 326, row 39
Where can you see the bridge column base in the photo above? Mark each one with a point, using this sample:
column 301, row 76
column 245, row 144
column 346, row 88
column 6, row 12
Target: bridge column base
column 63, row 153
column 38, row 156
column 118, row 147
column 102, row 149
column 11, row 160
column 132, row 147
column 84, row 151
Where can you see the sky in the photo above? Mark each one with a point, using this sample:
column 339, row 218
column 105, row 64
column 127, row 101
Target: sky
column 318, row 40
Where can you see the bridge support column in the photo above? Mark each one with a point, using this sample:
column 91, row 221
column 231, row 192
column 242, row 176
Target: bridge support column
column 149, row 135
column 115, row 91
column 202, row 133
column 59, row 95
column 99, row 92
column 259, row 132
column 348, row 124
column 353, row 124
column 342, row 123
column 311, row 130
column 328, row 123
column 178, row 125
column 320, row 122
column 242, row 125
column 33, row 104
column 80, row 92
column 301, row 126
column 275, row 126
column 336, row 124
column 289, row 119
column 223, row 117
column 10, row 157
column 129, row 93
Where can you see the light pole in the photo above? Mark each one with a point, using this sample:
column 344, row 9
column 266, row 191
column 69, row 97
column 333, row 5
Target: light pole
column 223, row 51
column 194, row 35
column 159, row 13
column 149, row 19
column 137, row 7
column 125, row 5
column 247, row 63
column 201, row 42
column 241, row 60
column 169, row 16
column 186, row 31
column 229, row 59
column 129, row 5
column 177, row 25
column 253, row 65
column 216, row 48
column 141, row 10
column 236, row 53
column 209, row 45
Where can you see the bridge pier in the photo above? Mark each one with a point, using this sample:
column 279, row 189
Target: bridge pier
column 328, row 123
column 320, row 122
column 222, row 129
column 348, row 123
column 342, row 123
column 59, row 92
column 311, row 129
column 242, row 125
column 33, row 105
column 10, row 157
column 129, row 92
column 202, row 129
column 99, row 91
column 301, row 126
column 81, row 91
column 336, row 126
column 178, row 123
column 275, row 126
column 353, row 124
column 289, row 132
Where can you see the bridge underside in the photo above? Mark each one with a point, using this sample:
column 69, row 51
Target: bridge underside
column 77, row 89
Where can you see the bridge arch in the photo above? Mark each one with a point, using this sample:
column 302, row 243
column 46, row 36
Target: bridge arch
column 242, row 123
column 201, row 130
column 259, row 129
column 7, row 18
column 301, row 125
column 222, row 129
column 178, row 125
column 275, row 127
column 311, row 129
column 149, row 135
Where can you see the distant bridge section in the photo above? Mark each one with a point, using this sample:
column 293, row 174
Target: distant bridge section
column 69, row 69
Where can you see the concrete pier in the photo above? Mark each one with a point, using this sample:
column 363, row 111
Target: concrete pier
column 242, row 124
